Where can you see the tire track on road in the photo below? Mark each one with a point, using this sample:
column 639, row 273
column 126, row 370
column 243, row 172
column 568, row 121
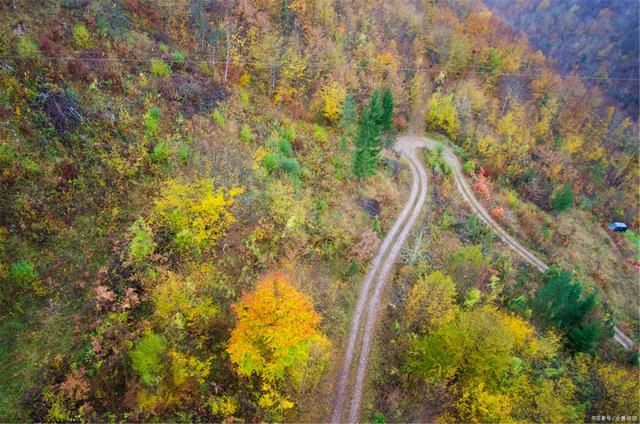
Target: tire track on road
column 340, row 390
column 383, row 277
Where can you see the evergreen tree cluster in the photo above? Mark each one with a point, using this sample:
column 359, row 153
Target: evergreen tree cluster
column 376, row 119
column 563, row 305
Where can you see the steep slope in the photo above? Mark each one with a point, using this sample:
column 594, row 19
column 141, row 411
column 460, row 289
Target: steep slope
column 597, row 39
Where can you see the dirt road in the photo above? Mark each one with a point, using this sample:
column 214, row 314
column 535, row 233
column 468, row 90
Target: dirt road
column 361, row 331
column 349, row 389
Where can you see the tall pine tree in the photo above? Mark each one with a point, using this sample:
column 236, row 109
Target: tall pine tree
column 368, row 138
column 387, row 110
column 349, row 116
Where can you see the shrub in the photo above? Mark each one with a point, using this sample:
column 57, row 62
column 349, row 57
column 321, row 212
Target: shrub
column 333, row 96
column 285, row 148
column 160, row 68
column 218, row 118
column 245, row 98
column 81, row 36
column 146, row 358
column 178, row 56
column 161, row 152
column 270, row 162
column 245, row 133
column 562, row 199
column 142, row 244
column 194, row 215
column 469, row 167
column 27, row 47
column 184, row 153
column 152, row 121
column 23, row 273
column 290, row 166
column 319, row 133
column 442, row 114
column 436, row 163
column 498, row 213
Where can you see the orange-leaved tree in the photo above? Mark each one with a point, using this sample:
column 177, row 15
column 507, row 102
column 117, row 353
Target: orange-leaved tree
column 277, row 338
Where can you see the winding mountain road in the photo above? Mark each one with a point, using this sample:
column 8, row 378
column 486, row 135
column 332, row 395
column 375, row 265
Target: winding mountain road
column 349, row 389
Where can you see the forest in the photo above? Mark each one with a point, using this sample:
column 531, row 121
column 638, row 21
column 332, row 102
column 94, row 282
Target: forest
column 193, row 191
column 597, row 39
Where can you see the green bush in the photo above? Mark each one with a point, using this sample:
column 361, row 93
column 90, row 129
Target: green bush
column 152, row 121
column 245, row 133
column 184, row 153
column 81, row 36
column 290, row 166
column 436, row 163
column 285, row 148
column 218, row 118
column 178, row 56
column 23, row 273
column 562, row 199
column 469, row 167
column 161, row 152
column 319, row 133
column 27, row 47
column 270, row 162
column 146, row 358
column 288, row 133
column 142, row 244
column 160, row 68
column 245, row 98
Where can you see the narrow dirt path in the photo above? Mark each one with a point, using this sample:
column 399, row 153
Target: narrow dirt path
column 360, row 337
column 386, row 253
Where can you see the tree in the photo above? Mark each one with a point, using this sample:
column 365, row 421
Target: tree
column 349, row 114
column 368, row 138
column 495, row 367
column 276, row 338
column 562, row 199
column 466, row 266
column 442, row 114
column 194, row 215
column 146, row 357
column 333, row 96
column 431, row 302
column 387, row 110
column 560, row 302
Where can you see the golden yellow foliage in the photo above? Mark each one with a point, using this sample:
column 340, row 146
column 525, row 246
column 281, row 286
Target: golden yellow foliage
column 277, row 338
column 183, row 302
column 431, row 302
column 573, row 142
column 196, row 214
column 333, row 95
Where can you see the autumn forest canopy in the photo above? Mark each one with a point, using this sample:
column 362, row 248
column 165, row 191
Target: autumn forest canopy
column 193, row 191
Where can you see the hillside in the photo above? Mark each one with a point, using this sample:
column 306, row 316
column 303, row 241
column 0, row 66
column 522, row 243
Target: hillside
column 597, row 39
column 193, row 191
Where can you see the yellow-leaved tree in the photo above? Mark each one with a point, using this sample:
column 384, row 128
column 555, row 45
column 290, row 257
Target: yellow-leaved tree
column 333, row 95
column 494, row 363
column 195, row 215
column 277, row 339
column 442, row 114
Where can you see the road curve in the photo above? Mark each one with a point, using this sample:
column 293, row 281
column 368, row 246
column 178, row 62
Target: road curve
column 392, row 243
column 382, row 264
column 466, row 192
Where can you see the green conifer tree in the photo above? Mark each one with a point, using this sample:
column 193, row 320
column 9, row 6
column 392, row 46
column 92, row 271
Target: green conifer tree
column 387, row 110
column 349, row 116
